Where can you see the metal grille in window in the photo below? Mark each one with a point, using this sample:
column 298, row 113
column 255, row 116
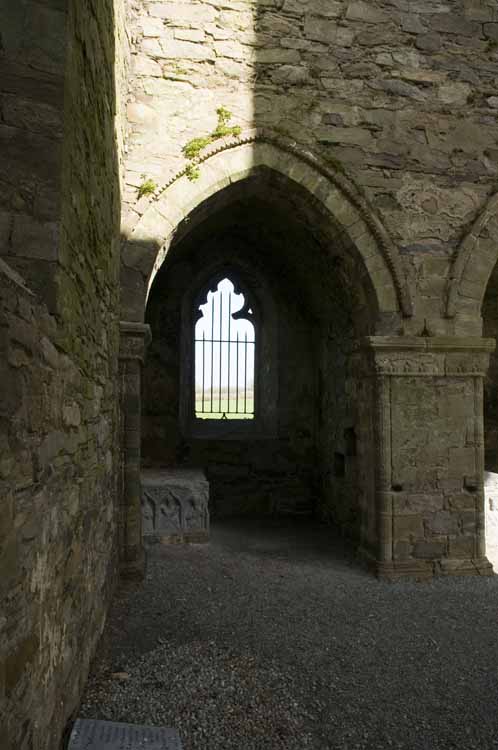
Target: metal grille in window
column 224, row 356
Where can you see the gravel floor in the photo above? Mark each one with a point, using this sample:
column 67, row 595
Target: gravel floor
column 272, row 638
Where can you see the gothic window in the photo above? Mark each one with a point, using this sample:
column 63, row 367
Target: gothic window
column 229, row 372
column 224, row 354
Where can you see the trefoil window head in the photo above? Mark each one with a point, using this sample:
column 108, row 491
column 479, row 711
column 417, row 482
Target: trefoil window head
column 225, row 354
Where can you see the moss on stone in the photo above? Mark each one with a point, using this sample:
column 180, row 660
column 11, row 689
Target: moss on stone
column 148, row 187
column 192, row 150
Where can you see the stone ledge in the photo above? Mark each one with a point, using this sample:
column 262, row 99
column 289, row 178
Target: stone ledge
column 394, row 344
column 189, row 537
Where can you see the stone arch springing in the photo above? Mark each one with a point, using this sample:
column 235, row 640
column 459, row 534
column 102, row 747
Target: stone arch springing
column 237, row 159
column 473, row 265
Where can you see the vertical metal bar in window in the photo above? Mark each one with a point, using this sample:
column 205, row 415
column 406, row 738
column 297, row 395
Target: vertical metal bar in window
column 245, row 376
column 229, row 319
column 221, row 345
column 212, row 350
column 203, row 368
column 237, row 381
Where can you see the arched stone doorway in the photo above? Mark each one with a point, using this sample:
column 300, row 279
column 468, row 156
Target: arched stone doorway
column 311, row 452
column 472, row 306
column 163, row 222
column 417, row 468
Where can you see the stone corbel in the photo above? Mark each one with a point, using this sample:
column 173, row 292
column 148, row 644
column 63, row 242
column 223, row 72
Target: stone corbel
column 134, row 339
column 421, row 356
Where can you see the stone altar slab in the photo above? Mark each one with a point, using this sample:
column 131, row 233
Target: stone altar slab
column 175, row 506
column 90, row 734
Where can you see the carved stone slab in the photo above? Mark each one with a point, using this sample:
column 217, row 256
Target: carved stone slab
column 89, row 734
column 175, row 506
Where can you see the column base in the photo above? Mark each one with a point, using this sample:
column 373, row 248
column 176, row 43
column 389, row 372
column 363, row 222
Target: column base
column 134, row 569
column 424, row 570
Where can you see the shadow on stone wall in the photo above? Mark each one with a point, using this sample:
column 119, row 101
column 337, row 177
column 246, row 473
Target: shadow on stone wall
column 59, row 223
column 32, row 69
column 323, row 302
column 490, row 329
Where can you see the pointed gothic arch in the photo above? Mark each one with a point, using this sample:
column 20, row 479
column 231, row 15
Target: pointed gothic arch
column 473, row 265
column 237, row 160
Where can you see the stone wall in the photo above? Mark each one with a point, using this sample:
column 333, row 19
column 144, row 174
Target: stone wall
column 399, row 95
column 32, row 68
column 59, row 421
column 57, row 538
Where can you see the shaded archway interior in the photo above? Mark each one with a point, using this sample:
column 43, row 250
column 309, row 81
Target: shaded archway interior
column 490, row 330
column 319, row 461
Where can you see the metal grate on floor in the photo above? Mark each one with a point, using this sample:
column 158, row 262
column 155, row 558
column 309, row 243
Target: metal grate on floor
column 90, row 734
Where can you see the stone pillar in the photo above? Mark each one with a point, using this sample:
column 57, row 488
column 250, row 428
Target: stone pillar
column 427, row 417
column 134, row 339
column 383, row 479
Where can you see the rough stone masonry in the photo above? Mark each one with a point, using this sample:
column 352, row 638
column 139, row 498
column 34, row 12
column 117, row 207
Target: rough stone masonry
column 364, row 165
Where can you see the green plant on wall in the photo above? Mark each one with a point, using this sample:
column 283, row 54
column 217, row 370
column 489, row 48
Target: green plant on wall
column 192, row 149
column 148, row 187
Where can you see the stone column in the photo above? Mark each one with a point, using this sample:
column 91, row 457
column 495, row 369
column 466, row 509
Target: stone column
column 383, row 479
column 134, row 339
column 427, row 416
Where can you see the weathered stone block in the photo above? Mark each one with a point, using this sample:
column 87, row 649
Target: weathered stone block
column 320, row 30
column 443, row 522
column 183, row 13
column 402, row 550
column 462, row 501
column 462, row 546
column 362, row 11
column 429, row 550
column 452, row 23
column 417, row 503
column 406, row 527
column 175, row 505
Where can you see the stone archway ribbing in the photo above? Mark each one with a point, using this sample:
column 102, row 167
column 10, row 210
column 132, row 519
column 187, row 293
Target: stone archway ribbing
column 473, row 264
column 235, row 159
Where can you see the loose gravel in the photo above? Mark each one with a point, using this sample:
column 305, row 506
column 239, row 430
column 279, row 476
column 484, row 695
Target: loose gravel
column 275, row 638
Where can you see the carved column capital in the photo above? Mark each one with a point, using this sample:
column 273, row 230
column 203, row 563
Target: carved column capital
column 422, row 356
column 134, row 340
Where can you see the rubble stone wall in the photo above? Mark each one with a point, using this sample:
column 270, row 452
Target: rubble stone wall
column 62, row 138
column 57, row 520
column 32, row 69
column 401, row 96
